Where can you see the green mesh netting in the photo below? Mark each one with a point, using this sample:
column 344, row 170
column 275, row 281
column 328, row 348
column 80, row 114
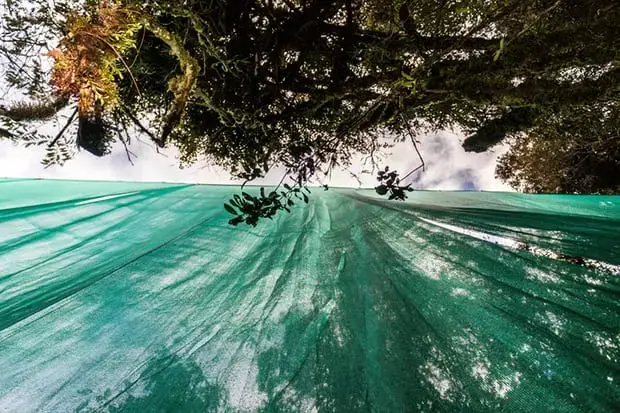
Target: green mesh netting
column 141, row 298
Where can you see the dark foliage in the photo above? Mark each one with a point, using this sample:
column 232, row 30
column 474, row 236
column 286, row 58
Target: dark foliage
column 577, row 151
column 495, row 130
column 389, row 184
column 249, row 208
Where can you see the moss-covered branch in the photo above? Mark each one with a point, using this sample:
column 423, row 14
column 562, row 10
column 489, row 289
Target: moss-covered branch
column 181, row 86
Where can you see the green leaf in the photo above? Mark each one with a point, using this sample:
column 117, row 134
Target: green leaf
column 499, row 52
column 406, row 76
column 230, row 209
column 381, row 189
column 496, row 57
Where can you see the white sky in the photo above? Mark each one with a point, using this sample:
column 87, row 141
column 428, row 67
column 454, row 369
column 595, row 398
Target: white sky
column 449, row 167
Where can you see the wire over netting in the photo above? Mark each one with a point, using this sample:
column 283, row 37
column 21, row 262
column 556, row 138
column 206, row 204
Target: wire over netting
column 140, row 297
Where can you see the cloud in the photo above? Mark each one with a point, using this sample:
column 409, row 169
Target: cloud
column 448, row 166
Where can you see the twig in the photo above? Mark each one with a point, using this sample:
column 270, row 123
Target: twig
column 357, row 178
column 152, row 146
column 124, row 142
column 413, row 141
column 139, row 125
column 371, row 157
column 282, row 180
column 139, row 48
column 126, row 150
column 64, row 129
column 410, row 173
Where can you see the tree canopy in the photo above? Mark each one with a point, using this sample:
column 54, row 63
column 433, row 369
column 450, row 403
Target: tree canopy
column 304, row 84
column 577, row 151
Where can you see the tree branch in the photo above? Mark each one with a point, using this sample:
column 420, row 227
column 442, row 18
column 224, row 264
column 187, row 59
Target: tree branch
column 180, row 86
column 139, row 125
column 64, row 129
column 415, row 146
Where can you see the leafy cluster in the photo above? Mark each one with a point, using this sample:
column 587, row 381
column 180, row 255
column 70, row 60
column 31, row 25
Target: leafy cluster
column 249, row 208
column 32, row 111
column 89, row 59
column 389, row 183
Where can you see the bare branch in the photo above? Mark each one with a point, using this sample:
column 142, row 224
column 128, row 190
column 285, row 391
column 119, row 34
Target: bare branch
column 415, row 146
column 64, row 129
column 139, row 124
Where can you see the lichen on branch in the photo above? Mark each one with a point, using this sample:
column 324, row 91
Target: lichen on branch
column 182, row 85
